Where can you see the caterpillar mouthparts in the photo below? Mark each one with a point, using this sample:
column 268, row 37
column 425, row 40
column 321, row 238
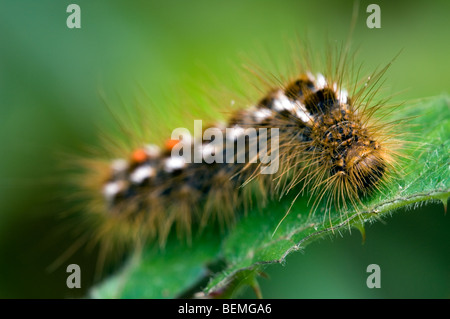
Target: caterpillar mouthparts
column 322, row 137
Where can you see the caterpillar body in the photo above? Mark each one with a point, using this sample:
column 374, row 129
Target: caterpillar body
column 329, row 145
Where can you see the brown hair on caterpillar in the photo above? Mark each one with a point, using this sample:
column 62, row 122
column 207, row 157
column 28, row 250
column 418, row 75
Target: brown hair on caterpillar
column 331, row 146
column 325, row 141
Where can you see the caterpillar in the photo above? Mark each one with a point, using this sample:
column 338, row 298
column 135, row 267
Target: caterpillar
column 319, row 134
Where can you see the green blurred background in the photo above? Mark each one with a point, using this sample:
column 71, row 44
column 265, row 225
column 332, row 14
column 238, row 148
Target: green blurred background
column 50, row 83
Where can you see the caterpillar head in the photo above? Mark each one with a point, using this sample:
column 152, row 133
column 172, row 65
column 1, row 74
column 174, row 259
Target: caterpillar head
column 346, row 146
column 352, row 155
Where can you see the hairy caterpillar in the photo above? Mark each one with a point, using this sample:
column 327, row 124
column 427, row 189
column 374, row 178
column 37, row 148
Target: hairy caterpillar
column 330, row 145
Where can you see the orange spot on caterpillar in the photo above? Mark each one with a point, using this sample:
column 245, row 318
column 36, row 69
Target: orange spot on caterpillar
column 139, row 156
column 170, row 144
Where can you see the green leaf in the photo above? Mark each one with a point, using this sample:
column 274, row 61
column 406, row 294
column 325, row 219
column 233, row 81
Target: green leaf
column 246, row 249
